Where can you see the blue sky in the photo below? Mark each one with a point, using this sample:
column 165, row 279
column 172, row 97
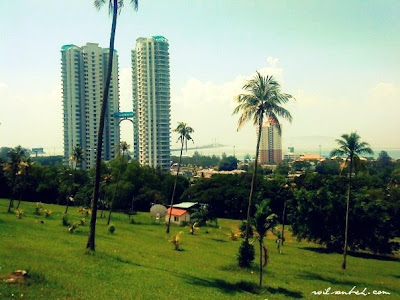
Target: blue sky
column 340, row 59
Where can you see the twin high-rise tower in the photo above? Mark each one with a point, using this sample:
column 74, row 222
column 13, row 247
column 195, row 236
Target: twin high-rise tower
column 83, row 77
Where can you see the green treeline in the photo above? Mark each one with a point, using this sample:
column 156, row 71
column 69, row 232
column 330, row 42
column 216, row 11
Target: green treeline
column 314, row 200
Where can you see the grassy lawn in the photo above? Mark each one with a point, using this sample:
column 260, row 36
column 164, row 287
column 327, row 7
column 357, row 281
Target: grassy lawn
column 138, row 262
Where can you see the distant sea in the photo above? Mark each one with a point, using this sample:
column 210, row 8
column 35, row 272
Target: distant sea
column 241, row 152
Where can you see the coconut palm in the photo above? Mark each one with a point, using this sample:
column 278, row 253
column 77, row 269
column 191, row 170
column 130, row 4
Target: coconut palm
column 11, row 168
column 115, row 6
column 77, row 156
column 351, row 147
column 124, row 147
column 184, row 136
column 262, row 100
column 263, row 222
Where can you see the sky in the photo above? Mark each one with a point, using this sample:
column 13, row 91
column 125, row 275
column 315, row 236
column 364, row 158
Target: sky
column 340, row 60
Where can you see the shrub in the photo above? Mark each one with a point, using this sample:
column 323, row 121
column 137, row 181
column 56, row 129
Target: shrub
column 72, row 228
column 65, row 221
column 38, row 208
column 19, row 213
column 233, row 235
column 176, row 240
column 111, row 228
column 246, row 254
column 82, row 222
column 47, row 213
column 242, row 229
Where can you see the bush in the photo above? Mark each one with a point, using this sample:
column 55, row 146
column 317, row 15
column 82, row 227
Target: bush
column 246, row 254
column 38, row 208
column 65, row 221
column 242, row 229
column 19, row 213
column 111, row 228
column 47, row 213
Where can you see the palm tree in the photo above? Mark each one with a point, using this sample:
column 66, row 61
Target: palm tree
column 184, row 136
column 263, row 222
column 77, row 156
column 264, row 99
column 115, row 6
column 16, row 156
column 351, row 147
column 124, row 147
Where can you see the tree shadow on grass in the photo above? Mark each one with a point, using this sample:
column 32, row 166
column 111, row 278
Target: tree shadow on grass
column 285, row 292
column 240, row 287
column 354, row 254
column 225, row 286
column 315, row 276
column 219, row 240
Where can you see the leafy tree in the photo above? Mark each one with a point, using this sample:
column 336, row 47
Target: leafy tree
column 282, row 169
column 326, row 167
column 115, row 6
column 351, row 147
column 228, row 163
column 264, row 99
column 124, row 147
column 263, row 221
column 184, row 136
column 11, row 169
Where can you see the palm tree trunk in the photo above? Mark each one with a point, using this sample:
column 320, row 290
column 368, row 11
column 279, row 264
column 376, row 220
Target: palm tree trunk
column 11, row 204
column 253, row 180
column 19, row 200
column 283, row 222
column 261, row 264
column 173, row 191
column 344, row 264
column 91, row 239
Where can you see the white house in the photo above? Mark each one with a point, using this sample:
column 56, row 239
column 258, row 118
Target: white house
column 178, row 216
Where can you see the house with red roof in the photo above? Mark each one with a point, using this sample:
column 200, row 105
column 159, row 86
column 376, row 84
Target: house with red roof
column 178, row 216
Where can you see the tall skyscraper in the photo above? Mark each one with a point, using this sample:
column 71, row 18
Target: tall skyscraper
column 83, row 78
column 270, row 144
column 151, row 101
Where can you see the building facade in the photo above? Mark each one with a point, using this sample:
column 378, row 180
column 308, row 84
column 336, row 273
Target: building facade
column 83, row 77
column 270, row 144
column 151, row 101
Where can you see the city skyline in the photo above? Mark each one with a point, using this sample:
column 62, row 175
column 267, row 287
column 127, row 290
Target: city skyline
column 339, row 60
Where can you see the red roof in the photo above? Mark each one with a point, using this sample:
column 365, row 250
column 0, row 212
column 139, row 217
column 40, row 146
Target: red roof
column 176, row 212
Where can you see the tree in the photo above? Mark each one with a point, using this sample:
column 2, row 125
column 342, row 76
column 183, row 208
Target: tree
column 16, row 156
column 263, row 221
column 351, row 147
column 228, row 163
column 184, row 136
column 115, row 6
column 77, row 156
column 264, row 99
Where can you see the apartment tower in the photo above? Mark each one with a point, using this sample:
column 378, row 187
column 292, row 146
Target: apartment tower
column 151, row 101
column 270, row 144
column 83, row 78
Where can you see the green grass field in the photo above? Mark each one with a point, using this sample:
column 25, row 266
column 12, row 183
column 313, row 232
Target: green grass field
column 138, row 262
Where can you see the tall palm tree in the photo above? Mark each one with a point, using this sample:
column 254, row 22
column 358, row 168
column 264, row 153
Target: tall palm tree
column 115, row 6
column 263, row 99
column 351, row 147
column 124, row 147
column 184, row 136
column 77, row 156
